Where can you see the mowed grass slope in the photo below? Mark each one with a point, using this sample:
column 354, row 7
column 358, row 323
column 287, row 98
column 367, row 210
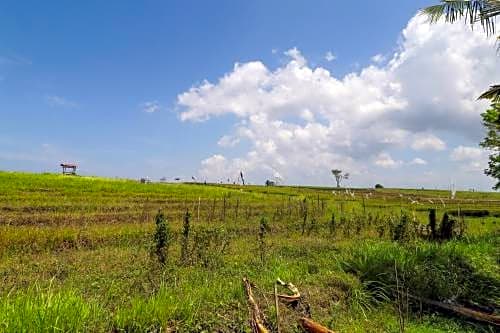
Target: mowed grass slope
column 76, row 254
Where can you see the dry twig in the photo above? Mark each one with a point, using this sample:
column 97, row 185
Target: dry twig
column 289, row 298
column 256, row 322
column 312, row 327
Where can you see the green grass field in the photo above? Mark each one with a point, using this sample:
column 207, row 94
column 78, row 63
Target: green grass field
column 77, row 254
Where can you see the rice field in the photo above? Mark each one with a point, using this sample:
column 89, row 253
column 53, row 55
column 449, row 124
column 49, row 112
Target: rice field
column 78, row 254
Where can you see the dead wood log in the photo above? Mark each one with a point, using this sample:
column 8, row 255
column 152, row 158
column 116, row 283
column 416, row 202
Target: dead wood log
column 460, row 310
column 294, row 290
column 256, row 322
column 312, row 327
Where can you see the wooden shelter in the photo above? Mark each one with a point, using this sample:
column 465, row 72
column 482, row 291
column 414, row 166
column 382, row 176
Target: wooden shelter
column 68, row 169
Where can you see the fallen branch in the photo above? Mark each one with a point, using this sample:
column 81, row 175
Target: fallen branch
column 312, row 327
column 256, row 322
column 289, row 298
column 463, row 311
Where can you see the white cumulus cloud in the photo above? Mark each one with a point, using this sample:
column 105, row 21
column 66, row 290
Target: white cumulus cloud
column 300, row 121
column 418, row 161
column 462, row 153
column 385, row 160
column 470, row 158
column 228, row 141
column 150, row 107
column 428, row 142
column 378, row 58
column 329, row 56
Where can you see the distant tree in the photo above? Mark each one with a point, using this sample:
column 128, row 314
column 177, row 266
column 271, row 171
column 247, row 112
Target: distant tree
column 379, row 186
column 270, row 183
column 339, row 176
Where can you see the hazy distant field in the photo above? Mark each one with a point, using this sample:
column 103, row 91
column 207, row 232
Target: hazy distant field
column 76, row 254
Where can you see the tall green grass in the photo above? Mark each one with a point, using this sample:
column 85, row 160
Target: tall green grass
column 453, row 271
column 38, row 310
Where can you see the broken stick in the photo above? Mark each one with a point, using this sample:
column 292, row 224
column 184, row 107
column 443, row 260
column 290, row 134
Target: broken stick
column 295, row 292
column 460, row 310
column 312, row 327
column 256, row 322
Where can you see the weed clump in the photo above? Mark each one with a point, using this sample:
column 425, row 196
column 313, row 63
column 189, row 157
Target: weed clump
column 162, row 238
column 209, row 247
column 303, row 213
column 331, row 225
column 263, row 229
column 432, row 224
column 185, row 239
column 402, row 231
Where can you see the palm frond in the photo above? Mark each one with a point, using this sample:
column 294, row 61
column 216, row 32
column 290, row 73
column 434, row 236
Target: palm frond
column 472, row 11
column 493, row 94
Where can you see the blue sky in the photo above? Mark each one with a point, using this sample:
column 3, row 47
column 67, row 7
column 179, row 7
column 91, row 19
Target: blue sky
column 77, row 80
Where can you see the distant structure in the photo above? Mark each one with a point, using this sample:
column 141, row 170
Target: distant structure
column 145, row 180
column 270, row 183
column 68, row 169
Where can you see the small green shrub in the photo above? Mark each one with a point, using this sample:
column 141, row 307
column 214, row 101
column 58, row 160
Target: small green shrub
column 263, row 229
column 331, row 225
column 185, row 239
column 403, row 230
column 209, row 246
column 162, row 238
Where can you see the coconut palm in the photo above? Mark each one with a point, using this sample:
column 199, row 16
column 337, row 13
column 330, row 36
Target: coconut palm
column 473, row 11
column 493, row 94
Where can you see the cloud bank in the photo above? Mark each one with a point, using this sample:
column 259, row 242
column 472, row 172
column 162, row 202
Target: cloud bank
column 300, row 121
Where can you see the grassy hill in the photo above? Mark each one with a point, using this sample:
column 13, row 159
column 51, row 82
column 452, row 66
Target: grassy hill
column 78, row 254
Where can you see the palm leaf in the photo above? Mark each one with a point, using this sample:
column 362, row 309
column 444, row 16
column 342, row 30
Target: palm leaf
column 472, row 11
column 493, row 94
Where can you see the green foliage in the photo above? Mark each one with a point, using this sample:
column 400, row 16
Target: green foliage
column 185, row 239
column 491, row 120
column 473, row 11
column 36, row 310
column 404, row 231
column 92, row 238
column 332, row 226
column 168, row 308
column 162, row 238
column 303, row 213
column 432, row 224
column 263, row 230
column 210, row 246
column 438, row 272
column 446, row 231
